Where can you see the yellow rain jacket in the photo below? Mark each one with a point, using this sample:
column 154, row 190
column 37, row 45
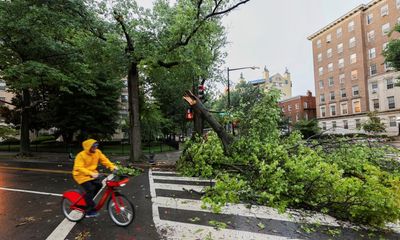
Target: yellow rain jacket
column 86, row 162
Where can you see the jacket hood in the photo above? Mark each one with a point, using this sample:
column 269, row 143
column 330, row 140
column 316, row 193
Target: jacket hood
column 87, row 145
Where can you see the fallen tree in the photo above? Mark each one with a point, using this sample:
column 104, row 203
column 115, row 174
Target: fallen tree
column 354, row 180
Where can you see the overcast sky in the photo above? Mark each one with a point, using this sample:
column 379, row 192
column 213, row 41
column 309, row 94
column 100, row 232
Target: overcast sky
column 274, row 33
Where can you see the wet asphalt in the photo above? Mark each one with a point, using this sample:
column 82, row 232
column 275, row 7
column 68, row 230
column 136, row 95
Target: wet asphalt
column 25, row 215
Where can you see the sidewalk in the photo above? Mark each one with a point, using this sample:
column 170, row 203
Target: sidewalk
column 162, row 160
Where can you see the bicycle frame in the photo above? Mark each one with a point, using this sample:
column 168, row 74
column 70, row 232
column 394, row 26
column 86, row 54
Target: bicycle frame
column 78, row 201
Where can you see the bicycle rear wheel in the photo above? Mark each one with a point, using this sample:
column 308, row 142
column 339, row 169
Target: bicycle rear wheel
column 126, row 212
column 74, row 215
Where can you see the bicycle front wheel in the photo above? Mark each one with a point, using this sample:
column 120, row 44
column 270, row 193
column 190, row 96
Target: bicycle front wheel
column 74, row 215
column 121, row 210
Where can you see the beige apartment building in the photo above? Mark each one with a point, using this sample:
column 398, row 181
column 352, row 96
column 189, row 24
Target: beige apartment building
column 277, row 81
column 350, row 74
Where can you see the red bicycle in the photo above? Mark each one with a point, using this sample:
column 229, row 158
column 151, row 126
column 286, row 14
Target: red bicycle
column 119, row 208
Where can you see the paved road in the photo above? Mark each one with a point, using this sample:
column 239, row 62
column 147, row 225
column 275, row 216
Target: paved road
column 30, row 205
column 30, row 209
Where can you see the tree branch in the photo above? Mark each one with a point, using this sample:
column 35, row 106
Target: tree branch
column 128, row 38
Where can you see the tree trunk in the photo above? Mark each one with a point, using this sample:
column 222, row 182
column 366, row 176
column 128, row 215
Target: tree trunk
column 134, row 120
column 24, row 141
column 198, row 123
column 197, row 105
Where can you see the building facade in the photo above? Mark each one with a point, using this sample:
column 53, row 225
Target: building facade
column 281, row 82
column 299, row 107
column 350, row 74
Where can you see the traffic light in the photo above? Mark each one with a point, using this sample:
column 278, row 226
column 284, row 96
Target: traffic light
column 201, row 92
column 189, row 114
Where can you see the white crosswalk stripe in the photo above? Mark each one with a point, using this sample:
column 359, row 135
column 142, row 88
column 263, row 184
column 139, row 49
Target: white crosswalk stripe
column 181, row 226
column 170, row 229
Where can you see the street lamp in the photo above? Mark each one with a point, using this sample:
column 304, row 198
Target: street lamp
column 229, row 90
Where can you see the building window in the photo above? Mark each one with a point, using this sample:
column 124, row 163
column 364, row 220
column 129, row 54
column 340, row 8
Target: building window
column 306, row 116
column 340, row 48
column 358, row 123
column 339, row 32
column 345, row 124
column 333, row 110
column 321, row 84
column 375, row 103
column 353, row 58
column 1, row 102
column 389, row 83
column 343, row 108
column 322, row 98
column 354, row 75
column 384, row 46
column 372, row 53
column 323, row 111
column 297, row 116
column 385, row 10
column 398, row 4
column 318, row 43
column 371, row 36
column 392, row 121
column 356, row 106
column 124, row 98
column 372, row 70
column 324, row 126
column 321, row 71
column 290, row 108
column 374, row 87
column 350, row 26
column 343, row 93
column 341, row 63
column 386, row 28
column 330, row 81
column 391, row 102
column 329, row 53
column 334, row 124
column 332, row 96
column 296, row 106
column 352, row 42
column 356, row 91
column 341, row 78
column 369, row 18
column 388, row 66
column 330, row 67
column 319, row 57
column 305, row 105
column 2, row 85
column 328, row 38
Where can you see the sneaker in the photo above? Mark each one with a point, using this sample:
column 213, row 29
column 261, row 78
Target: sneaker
column 92, row 214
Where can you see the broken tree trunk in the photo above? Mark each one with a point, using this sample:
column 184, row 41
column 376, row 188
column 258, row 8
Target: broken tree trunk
column 198, row 106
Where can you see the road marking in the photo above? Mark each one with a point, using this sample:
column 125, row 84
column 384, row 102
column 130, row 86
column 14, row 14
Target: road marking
column 178, row 231
column 36, row 170
column 162, row 172
column 176, row 187
column 65, row 227
column 241, row 210
column 182, row 178
column 29, row 191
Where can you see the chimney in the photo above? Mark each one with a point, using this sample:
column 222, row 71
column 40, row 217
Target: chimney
column 309, row 93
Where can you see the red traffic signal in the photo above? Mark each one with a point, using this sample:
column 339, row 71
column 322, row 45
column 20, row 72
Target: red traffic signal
column 201, row 89
column 189, row 114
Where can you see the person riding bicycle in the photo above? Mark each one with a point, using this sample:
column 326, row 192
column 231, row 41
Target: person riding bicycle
column 85, row 172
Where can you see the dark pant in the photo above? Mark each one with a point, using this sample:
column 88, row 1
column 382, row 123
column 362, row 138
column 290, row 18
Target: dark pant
column 91, row 188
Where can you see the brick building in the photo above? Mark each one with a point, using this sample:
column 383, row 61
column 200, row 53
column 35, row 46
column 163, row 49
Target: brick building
column 299, row 107
column 350, row 74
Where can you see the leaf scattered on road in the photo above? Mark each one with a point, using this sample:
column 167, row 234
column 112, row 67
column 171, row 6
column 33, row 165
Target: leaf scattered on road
column 83, row 235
